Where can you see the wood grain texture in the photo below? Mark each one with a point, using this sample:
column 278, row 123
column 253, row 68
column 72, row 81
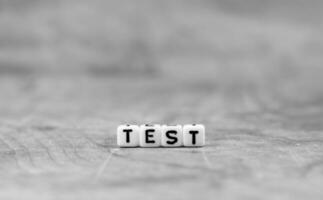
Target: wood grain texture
column 58, row 141
column 72, row 71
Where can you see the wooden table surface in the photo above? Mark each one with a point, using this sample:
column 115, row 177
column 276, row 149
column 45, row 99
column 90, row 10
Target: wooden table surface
column 58, row 141
column 72, row 71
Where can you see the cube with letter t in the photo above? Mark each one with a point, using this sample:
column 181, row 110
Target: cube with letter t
column 193, row 135
column 128, row 136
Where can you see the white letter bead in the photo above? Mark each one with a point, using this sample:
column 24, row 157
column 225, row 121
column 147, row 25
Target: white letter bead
column 194, row 135
column 128, row 136
column 150, row 135
column 171, row 136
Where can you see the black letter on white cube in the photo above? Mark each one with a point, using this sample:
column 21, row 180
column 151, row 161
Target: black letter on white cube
column 128, row 136
column 149, row 135
column 194, row 135
column 172, row 136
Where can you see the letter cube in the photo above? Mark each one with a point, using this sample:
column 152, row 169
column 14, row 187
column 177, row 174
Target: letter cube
column 194, row 135
column 171, row 136
column 150, row 135
column 128, row 136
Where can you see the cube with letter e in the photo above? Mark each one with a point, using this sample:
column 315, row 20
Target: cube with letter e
column 150, row 135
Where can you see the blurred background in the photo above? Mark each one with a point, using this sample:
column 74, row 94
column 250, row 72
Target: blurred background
column 254, row 43
column 72, row 70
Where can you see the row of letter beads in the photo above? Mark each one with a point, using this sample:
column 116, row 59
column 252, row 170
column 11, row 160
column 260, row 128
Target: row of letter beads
column 190, row 135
